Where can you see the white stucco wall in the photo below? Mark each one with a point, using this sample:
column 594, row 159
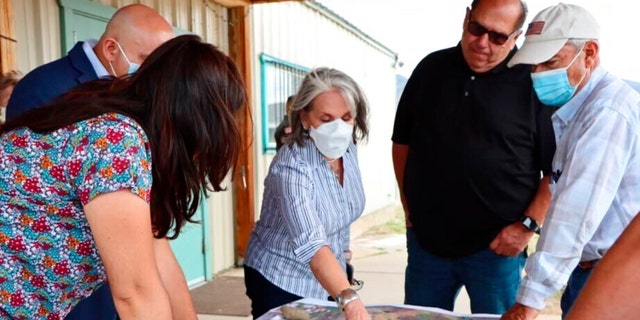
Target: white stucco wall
column 308, row 35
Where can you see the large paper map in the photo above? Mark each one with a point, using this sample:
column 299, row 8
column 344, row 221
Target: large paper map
column 321, row 310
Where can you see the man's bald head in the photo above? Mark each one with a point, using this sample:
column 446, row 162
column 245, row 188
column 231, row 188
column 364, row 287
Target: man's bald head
column 139, row 19
column 138, row 30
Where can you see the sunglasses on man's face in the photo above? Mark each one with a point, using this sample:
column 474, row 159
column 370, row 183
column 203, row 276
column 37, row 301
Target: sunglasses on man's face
column 478, row 30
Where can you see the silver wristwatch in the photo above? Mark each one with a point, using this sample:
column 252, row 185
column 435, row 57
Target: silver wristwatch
column 345, row 297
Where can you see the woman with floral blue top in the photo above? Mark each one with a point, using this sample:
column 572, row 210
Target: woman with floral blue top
column 92, row 186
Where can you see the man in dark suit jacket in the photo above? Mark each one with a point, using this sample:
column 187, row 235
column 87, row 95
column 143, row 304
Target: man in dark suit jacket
column 130, row 36
column 51, row 80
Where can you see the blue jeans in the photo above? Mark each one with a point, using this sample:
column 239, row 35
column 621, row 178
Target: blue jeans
column 576, row 281
column 491, row 280
column 98, row 306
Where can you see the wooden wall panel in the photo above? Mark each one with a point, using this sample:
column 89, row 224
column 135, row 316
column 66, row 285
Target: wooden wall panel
column 244, row 181
column 7, row 38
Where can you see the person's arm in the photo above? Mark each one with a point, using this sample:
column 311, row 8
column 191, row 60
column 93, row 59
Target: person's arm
column 404, row 123
column 507, row 241
column 327, row 270
column 514, row 238
column 399, row 154
column 174, row 281
column 293, row 181
column 615, row 282
column 120, row 222
column 593, row 169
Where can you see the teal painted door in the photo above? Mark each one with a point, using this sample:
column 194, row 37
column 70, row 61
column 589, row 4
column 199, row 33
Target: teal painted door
column 81, row 20
column 189, row 249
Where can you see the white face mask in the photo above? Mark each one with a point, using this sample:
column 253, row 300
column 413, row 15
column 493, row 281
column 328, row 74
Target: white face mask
column 332, row 138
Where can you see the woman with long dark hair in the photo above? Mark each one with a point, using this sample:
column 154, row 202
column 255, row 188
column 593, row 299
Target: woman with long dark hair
column 92, row 186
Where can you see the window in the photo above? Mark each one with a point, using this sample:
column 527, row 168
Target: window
column 280, row 80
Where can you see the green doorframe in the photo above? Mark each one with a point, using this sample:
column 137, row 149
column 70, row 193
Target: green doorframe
column 70, row 10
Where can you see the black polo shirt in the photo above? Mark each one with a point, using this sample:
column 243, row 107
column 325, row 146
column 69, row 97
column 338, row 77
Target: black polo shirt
column 477, row 145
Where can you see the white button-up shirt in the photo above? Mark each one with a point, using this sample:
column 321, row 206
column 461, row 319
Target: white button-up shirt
column 304, row 208
column 597, row 192
column 87, row 46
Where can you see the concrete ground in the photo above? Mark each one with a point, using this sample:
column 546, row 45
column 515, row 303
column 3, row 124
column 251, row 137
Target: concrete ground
column 379, row 259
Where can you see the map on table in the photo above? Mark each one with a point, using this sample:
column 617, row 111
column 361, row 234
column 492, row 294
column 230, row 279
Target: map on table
column 321, row 310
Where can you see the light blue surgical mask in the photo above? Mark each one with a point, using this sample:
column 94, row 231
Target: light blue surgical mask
column 553, row 87
column 133, row 67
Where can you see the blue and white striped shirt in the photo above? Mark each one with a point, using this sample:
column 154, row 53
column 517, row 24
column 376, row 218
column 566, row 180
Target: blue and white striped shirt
column 304, row 207
column 597, row 193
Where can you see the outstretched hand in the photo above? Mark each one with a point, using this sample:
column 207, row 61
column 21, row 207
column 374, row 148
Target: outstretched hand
column 356, row 311
column 520, row 312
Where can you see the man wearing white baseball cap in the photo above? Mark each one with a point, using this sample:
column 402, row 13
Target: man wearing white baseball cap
column 597, row 161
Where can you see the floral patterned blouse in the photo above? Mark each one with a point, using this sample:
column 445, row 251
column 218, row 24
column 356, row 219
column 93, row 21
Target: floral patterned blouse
column 48, row 258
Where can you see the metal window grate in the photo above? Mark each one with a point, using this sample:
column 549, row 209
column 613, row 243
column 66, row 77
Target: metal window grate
column 280, row 80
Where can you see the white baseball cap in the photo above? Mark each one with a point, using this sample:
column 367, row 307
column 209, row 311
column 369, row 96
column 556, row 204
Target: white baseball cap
column 551, row 28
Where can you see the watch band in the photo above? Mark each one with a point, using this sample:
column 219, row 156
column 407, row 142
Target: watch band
column 345, row 297
column 531, row 224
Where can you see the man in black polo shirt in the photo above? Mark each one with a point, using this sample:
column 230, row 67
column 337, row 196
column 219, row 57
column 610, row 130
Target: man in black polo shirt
column 470, row 141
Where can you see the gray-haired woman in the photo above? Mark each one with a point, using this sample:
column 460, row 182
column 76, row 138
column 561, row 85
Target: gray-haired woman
column 313, row 193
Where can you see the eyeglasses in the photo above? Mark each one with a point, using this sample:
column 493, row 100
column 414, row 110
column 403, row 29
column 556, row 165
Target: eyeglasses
column 478, row 30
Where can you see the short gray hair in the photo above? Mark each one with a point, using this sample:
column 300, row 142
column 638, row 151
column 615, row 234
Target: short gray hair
column 578, row 44
column 318, row 81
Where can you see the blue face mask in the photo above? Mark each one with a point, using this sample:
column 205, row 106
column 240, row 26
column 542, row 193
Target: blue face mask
column 553, row 87
column 133, row 67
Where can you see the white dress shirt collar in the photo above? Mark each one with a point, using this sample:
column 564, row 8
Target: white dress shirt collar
column 100, row 70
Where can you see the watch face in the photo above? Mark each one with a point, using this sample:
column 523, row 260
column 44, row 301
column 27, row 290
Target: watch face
column 530, row 224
